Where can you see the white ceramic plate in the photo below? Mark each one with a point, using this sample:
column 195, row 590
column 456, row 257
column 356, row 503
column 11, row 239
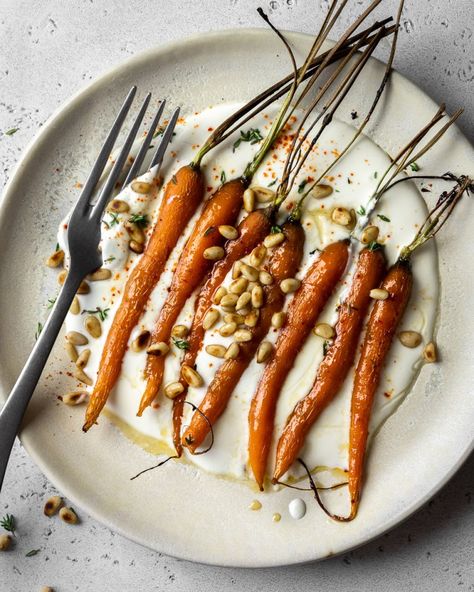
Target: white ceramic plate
column 178, row 510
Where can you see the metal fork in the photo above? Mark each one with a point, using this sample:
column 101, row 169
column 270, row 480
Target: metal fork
column 83, row 238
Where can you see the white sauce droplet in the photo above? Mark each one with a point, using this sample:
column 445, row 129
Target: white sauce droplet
column 297, row 508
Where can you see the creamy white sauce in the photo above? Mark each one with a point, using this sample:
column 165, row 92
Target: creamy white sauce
column 327, row 442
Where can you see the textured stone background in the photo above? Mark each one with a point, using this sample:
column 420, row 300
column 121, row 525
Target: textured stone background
column 49, row 50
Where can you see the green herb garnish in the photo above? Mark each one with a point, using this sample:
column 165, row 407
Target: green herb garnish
column 114, row 219
column 57, row 248
column 223, row 177
column 374, row 246
column 414, row 167
column 181, row 343
column 384, row 218
column 8, row 523
column 102, row 312
column 139, row 220
column 253, row 136
column 109, row 259
column 275, row 229
column 361, row 211
column 272, row 183
column 209, row 230
column 326, row 345
column 376, row 174
column 302, row 185
column 39, row 328
column 51, row 302
column 12, row 131
column 32, row 552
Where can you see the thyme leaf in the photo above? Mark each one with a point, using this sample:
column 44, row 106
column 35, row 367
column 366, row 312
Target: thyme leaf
column 384, row 218
column 181, row 343
column 139, row 220
column 39, row 328
column 32, row 552
column 8, row 523
column 361, row 211
column 414, row 167
column 252, row 135
column 302, row 185
column 102, row 312
column 223, row 177
column 12, row 131
column 275, row 229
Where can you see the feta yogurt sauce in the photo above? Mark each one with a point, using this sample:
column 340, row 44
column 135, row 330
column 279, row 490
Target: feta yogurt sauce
column 398, row 215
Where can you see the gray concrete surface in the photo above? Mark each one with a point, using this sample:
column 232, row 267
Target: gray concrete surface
column 50, row 49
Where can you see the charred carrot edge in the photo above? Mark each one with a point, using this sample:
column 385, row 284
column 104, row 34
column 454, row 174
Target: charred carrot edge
column 304, row 309
column 337, row 361
column 222, row 208
column 181, row 197
column 284, row 263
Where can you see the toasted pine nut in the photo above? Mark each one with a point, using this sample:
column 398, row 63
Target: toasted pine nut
column 218, row 351
column 341, row 216
column 228, row 232
column 324, row 330
column 238, row 286
column 52, row 505
column 233, row 317
column 191, row 377
column 229, row 300
column 141, row 187
column 135, row 232
column 93, row 326
column 410, row 338
column 228, row 329
column 75, row 306
column 210, row 318
column 141, row 342
column 265, row 278
column 80, row 375
column 158, row 349
column 83, row 358
column 257, row 297
column 68, row 515
column 371, row 233
column 429, row 353
column 179, row 331
column 264, row 351
column 232, row 351
column 263, row 194
column 56, row 259
column 243, row 300
column 76, row 338
column 136, row 247
column 214, row 253
column 100, row 274
column 289, row 285
column 249, row 200
column 83, row 288
column 243, row 335
column 379, row 294
column 71, row 351
column 173, row 389
column 258, row 255
column 62, row 275
column 251, row 319
column 320, row 191
column 272, row 240
column 249, row 272
column 236, row 270
column 219, row 294
column 118, row 206
column 278, row 319
column 5, row 542
column 75, row 398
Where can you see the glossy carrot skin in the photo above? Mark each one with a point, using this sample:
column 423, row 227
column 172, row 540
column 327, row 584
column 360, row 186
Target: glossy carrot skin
column 381, row 327
column 252, row 230
column 182, row 196
column 304, row 309
column 285, row 261
column 222, row 208
column 336, row 363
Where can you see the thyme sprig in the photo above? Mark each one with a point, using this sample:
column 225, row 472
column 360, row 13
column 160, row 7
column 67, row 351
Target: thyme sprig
column 8, row 523
column 253, row 136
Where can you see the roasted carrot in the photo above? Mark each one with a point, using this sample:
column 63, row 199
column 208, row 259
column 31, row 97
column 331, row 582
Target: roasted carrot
column 336, row 362
column 284, row 263
column 221, row 209
column 304, row 309
column 181, row 197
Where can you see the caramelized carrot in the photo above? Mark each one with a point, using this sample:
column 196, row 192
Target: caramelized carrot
column 304, row 309
column 284, row 263
column 336, row 362
column 222, row 208
column 181, row 198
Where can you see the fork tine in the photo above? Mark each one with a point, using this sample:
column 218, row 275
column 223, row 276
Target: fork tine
column 137, row 163
column 109, row 185
column 160, row 152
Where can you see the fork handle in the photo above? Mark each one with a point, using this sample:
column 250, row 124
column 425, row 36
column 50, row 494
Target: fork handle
column 12, row 413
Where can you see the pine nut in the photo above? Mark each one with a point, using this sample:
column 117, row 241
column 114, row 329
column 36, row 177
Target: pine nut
column 173, row 389
column 238, row 286
column 243, row 300
column 141, row 187
column 118, row 206
column 341, row 216
column 191, row 377
column 83, row 288
column 218, row 351
column 56, row 259
column 214, row 253
column 83, row 358
column 210, row 318
column 228, row 329
column 68, row 515
column 249, row 200
column 5, row 542
column 272, row 240
column 278, row 319
column 370, row 234
column 263, row 194
column 158, row 349
column 219, row 294
column 324, row 330
column 81, row 376
column 232, row 351
column 379, row 294
column 289, row 285
column 62, row 275
column 93, row 326
column 258, row 255
column 75, row 306
column 242, row 335
column 136, row 247
column 264, row 351
column 251, row 319
column 236, row 270
column 265, row 278
column 409, row 338
column 430, row 353
column 76, row 338
column 249, row 272
column 100, row 274
column 52, row 505
column 228, row 232
column 71, row 351
column 141, row 342
column 179, row 331
column 320, row 191
column 46, row 589
column 257, row 297
column 233, row 317
column 229, row 300
column 75, row 398
column 135, row 232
